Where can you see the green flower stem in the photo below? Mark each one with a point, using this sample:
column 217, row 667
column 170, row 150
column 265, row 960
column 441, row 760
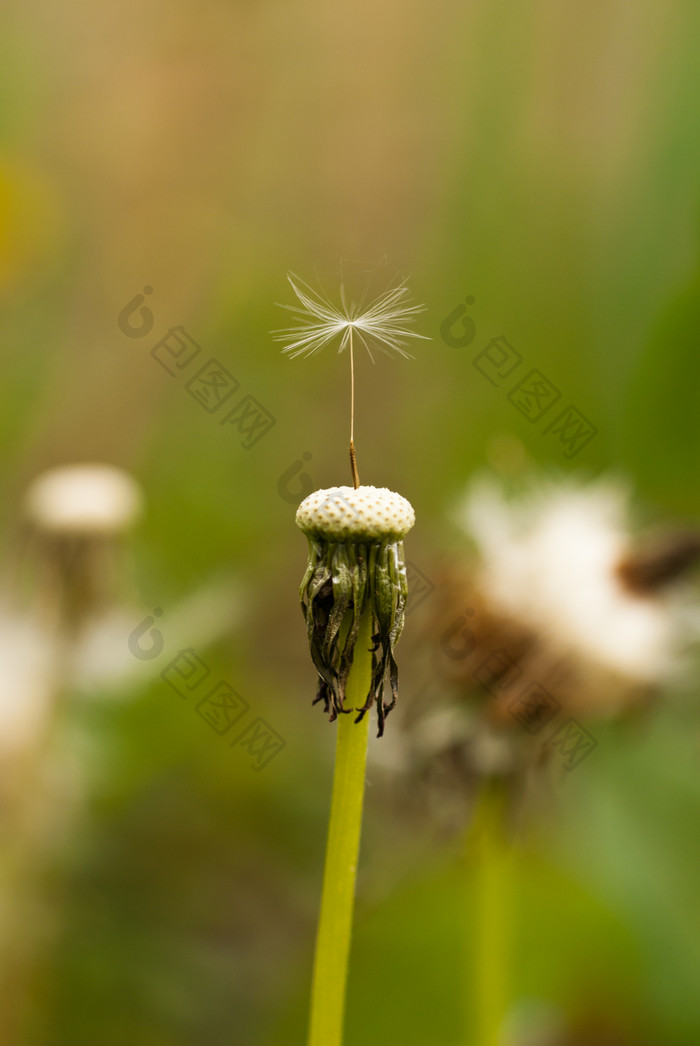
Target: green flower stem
column 490, row 859
column 337, row 900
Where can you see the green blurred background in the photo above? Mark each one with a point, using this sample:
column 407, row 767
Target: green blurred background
column 542, row 158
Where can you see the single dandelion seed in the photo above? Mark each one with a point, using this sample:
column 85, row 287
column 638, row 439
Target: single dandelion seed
column 380, row 324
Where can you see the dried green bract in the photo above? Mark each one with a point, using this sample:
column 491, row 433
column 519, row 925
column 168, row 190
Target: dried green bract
column 356, row 565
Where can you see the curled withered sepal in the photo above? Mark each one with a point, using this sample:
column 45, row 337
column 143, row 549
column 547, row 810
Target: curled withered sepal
column 356, row 566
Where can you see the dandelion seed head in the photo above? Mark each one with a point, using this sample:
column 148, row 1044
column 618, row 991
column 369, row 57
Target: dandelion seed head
column 362, row 514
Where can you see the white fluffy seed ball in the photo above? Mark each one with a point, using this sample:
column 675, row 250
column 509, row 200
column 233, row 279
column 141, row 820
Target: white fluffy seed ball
column 349, row 514
column 83, row 499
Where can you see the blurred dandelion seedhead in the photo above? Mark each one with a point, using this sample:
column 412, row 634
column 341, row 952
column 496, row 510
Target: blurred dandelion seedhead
column 76, row 517
column 563, row 560
column 83, row 500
